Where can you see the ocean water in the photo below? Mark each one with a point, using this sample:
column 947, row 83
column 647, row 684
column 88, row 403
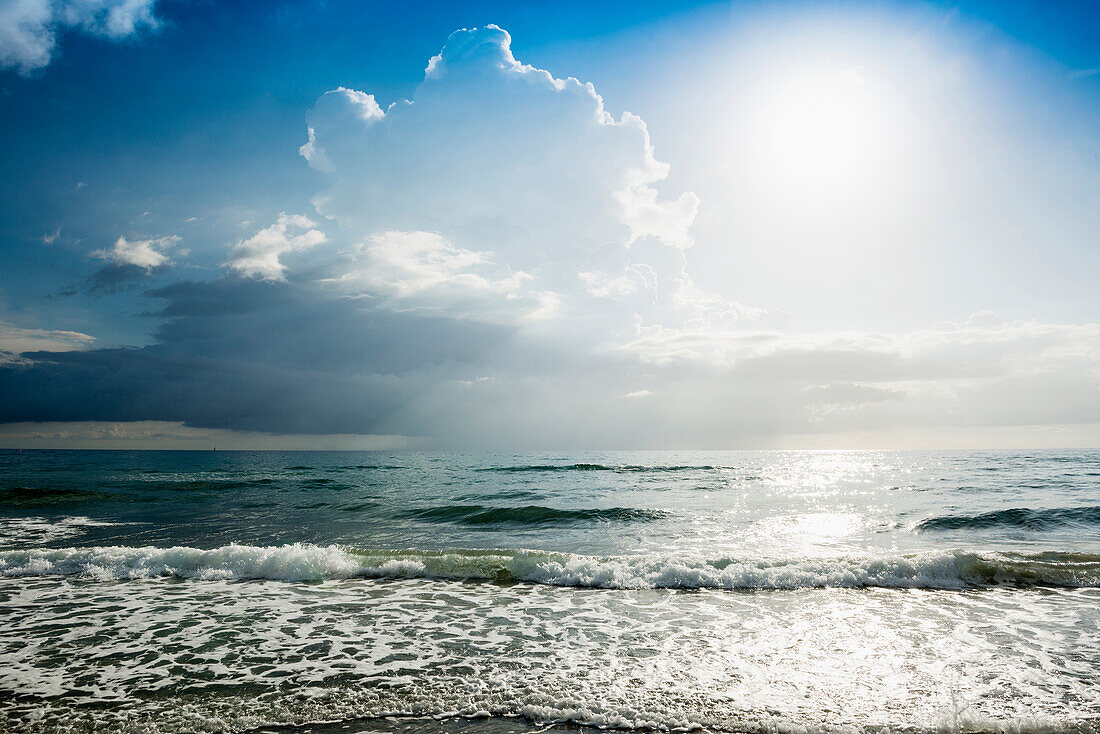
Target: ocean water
column 416, row 592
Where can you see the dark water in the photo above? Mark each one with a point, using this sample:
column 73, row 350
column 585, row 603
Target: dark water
column 743, row 591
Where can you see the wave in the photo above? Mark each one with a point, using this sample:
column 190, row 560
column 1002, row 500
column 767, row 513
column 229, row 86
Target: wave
column 592, row 467
column 1016, row 517
column 207, row 485
column 338, row 469
column 30, row 497
column 531, row 515
column 303, row 562
column 42, row 496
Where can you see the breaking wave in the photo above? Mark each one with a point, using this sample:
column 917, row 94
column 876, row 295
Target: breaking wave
column 302, row 562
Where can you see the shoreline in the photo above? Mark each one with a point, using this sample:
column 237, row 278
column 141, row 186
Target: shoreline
column 426, row 725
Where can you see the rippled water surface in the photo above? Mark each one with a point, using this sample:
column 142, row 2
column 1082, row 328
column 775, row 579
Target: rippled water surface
column 733, row 591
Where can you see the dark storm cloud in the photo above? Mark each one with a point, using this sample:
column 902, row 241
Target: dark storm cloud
column 115, row 279
column 249, row 355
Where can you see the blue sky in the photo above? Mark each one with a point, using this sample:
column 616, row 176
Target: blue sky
column 816, row 224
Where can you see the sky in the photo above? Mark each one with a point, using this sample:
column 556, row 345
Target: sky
column 487, row 225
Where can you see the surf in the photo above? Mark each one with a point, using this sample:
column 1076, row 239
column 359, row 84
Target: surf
column 955, row 569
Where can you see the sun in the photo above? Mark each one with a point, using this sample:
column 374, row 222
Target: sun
column 821, row 132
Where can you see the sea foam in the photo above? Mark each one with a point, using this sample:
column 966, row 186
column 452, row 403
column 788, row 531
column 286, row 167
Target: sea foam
column 953, row 569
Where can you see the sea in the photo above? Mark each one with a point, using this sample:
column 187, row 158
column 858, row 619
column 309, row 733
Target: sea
column 779, row 591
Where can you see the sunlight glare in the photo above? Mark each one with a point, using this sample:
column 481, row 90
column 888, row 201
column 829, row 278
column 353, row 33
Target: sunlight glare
column 822, row 132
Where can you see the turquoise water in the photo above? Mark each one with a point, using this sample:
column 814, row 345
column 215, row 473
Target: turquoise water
column 732, row 591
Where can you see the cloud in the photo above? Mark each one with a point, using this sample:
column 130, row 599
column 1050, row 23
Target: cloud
column 493, row 155
column 175, row 435
column 501, row 264
column 15, row 340
column 643, row 211
column 638, row 394
column 344, row 109
column 980, row 373
column 114, row 279
column 504, row 194
column 257, row 355
column 29, row 29
column 303, row 358
column 452, row 153
column 412, row 263
column 979, row 348
column 258, row 256
column 421, row 271
column 146, row 254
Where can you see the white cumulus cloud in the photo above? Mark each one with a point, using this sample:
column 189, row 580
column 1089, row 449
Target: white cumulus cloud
column 148, row 254
column 258, row 256
column 506, row 158
column 422, row 271
column 489, row 140
column 29, row 29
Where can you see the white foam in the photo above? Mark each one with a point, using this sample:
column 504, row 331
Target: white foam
column 303, row 562
column 41, row 530
column 296, row 562
column 838, row 662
